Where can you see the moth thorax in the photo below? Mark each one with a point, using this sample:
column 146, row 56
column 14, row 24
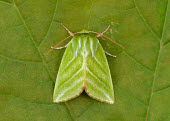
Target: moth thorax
column 84, row 45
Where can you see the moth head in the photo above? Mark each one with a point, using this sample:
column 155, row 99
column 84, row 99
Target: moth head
column 84, row 31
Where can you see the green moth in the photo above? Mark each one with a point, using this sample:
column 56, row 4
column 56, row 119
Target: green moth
column 83, row 67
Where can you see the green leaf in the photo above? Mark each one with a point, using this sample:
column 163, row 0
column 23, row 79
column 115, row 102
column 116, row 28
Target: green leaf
column 140, row 73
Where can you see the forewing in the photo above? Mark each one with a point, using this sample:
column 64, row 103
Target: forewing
column 98, row 80
column 70, row 78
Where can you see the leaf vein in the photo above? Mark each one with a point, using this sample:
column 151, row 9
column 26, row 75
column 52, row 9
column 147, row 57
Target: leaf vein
column 22, row 61
column 162, row 89
column 50, row 24
column 127, row 94
column 40, row 53
column 137, row 61
column 157, row 63
column 5, row 2
column 33, row 39
column 145, row 21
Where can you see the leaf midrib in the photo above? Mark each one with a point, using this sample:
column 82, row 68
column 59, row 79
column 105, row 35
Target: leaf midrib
column 157, row 63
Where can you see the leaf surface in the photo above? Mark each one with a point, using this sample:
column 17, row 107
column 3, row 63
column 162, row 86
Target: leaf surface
column 140, row 73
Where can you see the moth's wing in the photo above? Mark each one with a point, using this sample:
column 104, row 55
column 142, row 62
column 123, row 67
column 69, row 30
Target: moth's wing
column 70, row 79
column 98, row 80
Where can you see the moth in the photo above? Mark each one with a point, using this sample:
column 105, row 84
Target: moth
column 84, row 67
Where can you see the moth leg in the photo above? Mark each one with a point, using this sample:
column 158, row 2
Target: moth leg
column 110, row 54
column 59, row 43
column 71, row 34
column 58, row 47
column 61, row 47
column 100, row 34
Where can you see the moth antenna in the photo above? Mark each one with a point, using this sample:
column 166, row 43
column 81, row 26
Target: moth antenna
column 113, row 41
column 106, row 38
column 71, row 34
column 103, row 31
column 58, row 44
